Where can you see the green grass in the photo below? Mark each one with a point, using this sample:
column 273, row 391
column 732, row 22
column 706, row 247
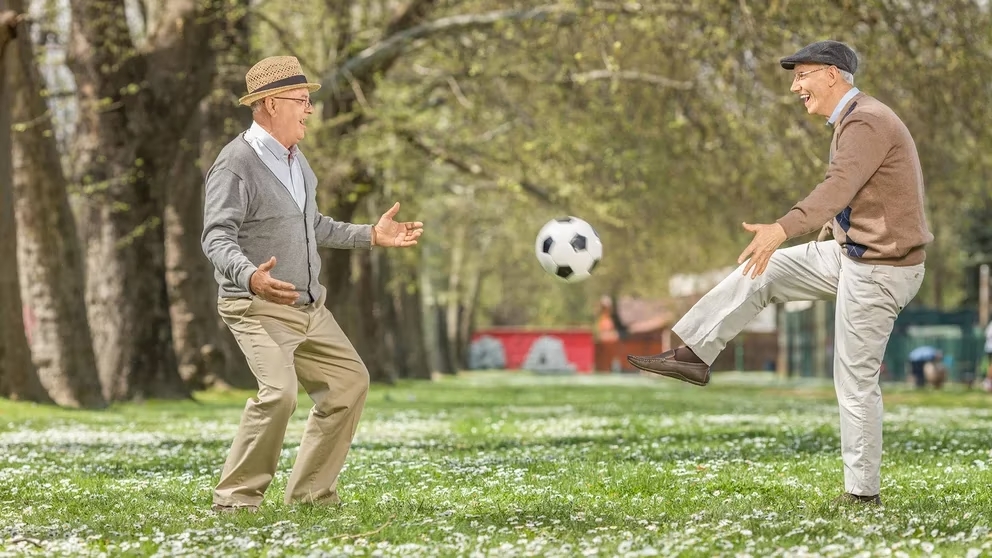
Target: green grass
column 505, row 464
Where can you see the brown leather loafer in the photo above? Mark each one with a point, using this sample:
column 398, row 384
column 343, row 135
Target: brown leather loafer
column 848, row 498
column 665, row 364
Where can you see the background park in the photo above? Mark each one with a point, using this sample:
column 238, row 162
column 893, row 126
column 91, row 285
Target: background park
column 503, row 419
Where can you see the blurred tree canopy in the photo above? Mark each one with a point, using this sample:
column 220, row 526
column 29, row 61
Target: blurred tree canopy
column 664, row 124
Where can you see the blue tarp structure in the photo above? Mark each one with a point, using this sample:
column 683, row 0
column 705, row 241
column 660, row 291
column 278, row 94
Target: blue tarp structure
column 922, row 353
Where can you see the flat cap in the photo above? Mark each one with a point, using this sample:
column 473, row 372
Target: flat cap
column 824, row 52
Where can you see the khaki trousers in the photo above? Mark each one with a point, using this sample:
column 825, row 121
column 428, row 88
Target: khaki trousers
column 285, row 345
column 868, row 299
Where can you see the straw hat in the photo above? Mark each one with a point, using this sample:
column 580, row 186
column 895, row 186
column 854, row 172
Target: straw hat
column 275, row 74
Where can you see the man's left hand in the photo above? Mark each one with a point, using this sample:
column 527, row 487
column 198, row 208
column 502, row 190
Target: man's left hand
column 388, row 232
column 767, row 239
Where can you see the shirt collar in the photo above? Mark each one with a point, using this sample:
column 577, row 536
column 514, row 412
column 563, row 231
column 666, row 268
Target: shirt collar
column 843, row 103
column 259, row 133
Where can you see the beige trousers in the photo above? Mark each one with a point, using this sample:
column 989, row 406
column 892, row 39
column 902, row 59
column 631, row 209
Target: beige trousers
column 285, row 345
column 868, row 299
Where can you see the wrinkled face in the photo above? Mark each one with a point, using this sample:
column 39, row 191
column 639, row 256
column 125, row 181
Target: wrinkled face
column 288, row 112
column 813, row 84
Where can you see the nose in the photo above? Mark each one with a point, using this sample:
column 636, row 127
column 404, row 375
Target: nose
column 308, row 108
column 795, row 86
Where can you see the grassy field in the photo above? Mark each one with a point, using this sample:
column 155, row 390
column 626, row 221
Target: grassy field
column 514, row 465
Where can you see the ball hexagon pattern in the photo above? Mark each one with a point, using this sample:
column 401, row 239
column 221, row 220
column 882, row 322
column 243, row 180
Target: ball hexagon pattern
column 568, row 248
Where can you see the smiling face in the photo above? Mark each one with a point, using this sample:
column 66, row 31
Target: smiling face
column 819, row 87
column 284, row 115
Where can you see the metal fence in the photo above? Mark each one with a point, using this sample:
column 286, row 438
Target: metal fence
column 957, row 334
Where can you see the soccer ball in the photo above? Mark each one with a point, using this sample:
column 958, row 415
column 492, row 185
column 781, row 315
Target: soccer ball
column 568, row 248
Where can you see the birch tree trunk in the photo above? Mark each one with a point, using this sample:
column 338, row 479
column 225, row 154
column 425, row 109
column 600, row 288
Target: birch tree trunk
column 135, row 106
column 49, row 256
column 18, row 378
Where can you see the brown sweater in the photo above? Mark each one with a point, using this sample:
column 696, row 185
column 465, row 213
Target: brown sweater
column 872, row 194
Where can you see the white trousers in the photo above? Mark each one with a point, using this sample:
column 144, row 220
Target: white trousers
column 868, row 299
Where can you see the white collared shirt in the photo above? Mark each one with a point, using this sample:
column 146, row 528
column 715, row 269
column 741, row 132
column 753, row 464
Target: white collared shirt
column 843, row 103
column 284, row 163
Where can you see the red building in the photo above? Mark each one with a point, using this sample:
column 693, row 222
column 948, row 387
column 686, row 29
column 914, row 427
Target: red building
column 634, row 327
column 535, row 349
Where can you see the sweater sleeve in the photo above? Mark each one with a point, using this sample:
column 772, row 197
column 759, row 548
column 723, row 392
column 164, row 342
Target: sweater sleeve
column 861, row 148
column 224, row 209
column 336, row 234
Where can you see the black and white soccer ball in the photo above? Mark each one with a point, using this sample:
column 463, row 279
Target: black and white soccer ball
column 568, row 248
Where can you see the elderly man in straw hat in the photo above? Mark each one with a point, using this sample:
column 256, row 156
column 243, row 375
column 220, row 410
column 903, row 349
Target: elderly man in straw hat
column 261, row 231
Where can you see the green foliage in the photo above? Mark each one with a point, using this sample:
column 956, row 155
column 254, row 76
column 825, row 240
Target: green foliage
column 695, row 132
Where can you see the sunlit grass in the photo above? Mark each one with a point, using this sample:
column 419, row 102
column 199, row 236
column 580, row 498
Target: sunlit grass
column 504, row 464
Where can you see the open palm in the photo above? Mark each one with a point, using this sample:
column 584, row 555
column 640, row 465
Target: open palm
column 389, row 232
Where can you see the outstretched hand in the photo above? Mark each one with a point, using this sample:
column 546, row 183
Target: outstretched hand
column 271, row 289
column 767, row 239
column 388, row 232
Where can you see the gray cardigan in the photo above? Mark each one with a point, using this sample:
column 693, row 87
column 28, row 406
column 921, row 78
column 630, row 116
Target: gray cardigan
column 249, row 216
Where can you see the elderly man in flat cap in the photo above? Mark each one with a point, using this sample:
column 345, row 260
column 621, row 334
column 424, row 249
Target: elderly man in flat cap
column 871, row 199
column 261, row 230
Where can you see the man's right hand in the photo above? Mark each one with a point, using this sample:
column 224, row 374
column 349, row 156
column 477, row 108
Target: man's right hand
column 826, row 231
column 270, row 289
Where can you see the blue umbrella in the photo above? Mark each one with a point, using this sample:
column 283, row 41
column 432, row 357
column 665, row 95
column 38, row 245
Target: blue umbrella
column 922, row 353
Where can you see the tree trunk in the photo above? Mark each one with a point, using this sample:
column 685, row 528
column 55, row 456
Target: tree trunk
column 206, row 351
column 18, row 378
column 935, row 265
column 351, row 297
column 433, row 339
column 345, row 193
column 192, row 290
column 386, row 319
column 49, row 255
column 446, row 356
column 411, row 350
column 466, row 326
column 134, row 107
column 371, row 346
column 452, row 303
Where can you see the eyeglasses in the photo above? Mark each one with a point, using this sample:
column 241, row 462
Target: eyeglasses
column 306, row 102
column 802, row 75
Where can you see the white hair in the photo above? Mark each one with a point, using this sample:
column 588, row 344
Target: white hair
column 848, row 76
column 257, row 105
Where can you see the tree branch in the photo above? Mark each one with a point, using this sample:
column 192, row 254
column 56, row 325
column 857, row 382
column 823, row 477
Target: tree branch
column 473, row 169
column 626, row 75
column 380, row 56
column 281, row 34
column 101, row 40
column 8, row 29
column 183, row 53
column 585, row 77
column 440, row 78
column 342, row 12
column 344, row 99
column 415, row 11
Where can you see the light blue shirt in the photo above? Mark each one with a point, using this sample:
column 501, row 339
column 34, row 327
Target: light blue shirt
column 284, row 163
column 843, row 103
